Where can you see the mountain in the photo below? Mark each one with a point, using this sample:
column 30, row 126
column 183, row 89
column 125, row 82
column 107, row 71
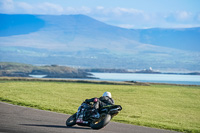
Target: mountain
column 78, row 40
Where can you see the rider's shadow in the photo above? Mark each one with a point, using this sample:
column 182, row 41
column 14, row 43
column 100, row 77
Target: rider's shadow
column 78, row 127
column 56, row 126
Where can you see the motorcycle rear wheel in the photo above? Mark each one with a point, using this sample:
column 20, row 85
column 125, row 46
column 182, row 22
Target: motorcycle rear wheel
column 101, row 122
column 71, row 121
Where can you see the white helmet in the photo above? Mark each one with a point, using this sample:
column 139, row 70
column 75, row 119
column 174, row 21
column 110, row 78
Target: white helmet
column 107, row 94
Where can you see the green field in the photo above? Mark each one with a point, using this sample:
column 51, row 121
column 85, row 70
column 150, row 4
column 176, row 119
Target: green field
column 160, row 106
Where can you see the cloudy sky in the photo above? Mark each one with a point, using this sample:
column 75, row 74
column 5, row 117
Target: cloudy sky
column 122, row 13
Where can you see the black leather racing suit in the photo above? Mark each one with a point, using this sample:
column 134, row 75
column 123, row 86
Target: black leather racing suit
column 102, row 101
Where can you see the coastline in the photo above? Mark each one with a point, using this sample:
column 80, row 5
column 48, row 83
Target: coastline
column 89, row 81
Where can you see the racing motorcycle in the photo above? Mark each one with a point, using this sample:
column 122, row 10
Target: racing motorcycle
column 84, row 116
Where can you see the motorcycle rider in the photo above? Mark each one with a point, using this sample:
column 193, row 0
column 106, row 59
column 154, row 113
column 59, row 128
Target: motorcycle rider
column 104, row 100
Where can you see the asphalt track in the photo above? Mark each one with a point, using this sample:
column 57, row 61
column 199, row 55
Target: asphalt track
column 18, row 119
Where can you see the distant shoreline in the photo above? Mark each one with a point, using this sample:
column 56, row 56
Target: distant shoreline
column 89, row 81
column 145, row 71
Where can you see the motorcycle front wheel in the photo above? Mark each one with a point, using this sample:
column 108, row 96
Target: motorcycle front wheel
column 71, row 120
column 101, row 122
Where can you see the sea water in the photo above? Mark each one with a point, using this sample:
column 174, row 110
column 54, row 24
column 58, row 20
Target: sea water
column 155, row 78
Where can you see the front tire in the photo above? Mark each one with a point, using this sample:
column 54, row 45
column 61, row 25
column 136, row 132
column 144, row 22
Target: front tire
column 71, row 121
column 101, row 122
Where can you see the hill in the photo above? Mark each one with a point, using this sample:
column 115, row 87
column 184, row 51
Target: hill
column 78, row 40
column 53, row 71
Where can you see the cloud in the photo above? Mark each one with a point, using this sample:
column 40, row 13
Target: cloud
column 25, row 7
column 100, row 8
column 49, row 8
column 183, row 15
column 81, row 10
column 6, row 6
column 128, row 26
column 121, row 11
column 14, row 7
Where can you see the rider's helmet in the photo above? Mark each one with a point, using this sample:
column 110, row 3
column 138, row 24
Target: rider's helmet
column 108, row 94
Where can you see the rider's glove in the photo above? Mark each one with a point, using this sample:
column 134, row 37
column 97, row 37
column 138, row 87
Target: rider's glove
column 95, row 100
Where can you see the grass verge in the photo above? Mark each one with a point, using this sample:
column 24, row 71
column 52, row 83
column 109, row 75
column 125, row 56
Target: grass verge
column 158, row 106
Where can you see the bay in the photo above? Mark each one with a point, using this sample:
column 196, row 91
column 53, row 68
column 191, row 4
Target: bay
column 154, row 78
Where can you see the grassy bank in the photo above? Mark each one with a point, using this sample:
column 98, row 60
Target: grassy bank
column 159, row 106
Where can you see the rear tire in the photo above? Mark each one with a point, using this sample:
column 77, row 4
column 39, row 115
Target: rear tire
column 71, row 121
column 101, row 122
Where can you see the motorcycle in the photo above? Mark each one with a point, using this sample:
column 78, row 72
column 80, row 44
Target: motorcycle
column 84, row 116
